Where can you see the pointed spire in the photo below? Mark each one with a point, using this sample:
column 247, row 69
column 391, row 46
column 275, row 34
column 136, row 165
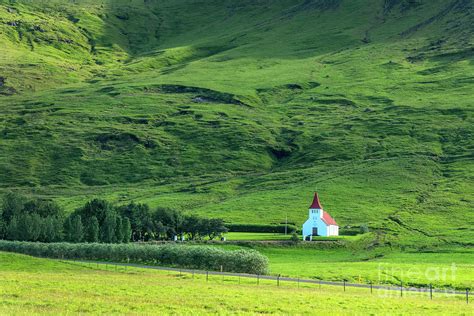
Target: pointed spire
column 316, row 203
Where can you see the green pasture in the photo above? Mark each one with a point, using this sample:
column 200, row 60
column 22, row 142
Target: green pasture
column 41, row 286
column 235, row 236
column 441, row 269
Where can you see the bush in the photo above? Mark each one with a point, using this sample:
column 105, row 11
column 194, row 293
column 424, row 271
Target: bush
column 192, row 257
column 295, row 238
column 364, row 229
column 254, row 228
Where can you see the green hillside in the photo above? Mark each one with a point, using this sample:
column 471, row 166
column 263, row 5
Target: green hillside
column 242, row 109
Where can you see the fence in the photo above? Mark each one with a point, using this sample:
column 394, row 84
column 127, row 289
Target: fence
column 278, row 279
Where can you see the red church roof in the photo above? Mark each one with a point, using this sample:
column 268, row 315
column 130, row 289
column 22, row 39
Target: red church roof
column 316, row 203
column 328, row 219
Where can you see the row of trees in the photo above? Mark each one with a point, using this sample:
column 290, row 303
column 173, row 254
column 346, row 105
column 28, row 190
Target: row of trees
column 99, row 221
column 33, row 227
column 30, row 220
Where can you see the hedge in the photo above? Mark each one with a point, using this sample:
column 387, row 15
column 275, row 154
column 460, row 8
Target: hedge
column 253, row 228
column 192, row 257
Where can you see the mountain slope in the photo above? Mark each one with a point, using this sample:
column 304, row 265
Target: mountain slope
column 240, row 109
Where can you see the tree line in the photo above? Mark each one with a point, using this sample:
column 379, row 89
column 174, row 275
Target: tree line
column 98, row 220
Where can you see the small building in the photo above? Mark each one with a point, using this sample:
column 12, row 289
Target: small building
column 319, row 222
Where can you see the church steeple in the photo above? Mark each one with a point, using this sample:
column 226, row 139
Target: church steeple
column 316, row 203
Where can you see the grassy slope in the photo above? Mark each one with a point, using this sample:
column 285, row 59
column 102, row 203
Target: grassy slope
column 30, row 286
column 364, row 101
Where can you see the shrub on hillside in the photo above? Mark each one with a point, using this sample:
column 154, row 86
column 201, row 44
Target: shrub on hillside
column 193, row 257
column 364, row 229
column 255, row 228
column 295, row 238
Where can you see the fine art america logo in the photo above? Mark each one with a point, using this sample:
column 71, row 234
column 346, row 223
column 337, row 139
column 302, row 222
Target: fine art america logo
column 387, row 274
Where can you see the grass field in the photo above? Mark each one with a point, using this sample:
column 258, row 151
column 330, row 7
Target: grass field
column 41, row 286
column 235, row 236
column 416, row 269
column 449, row 268
column 256, row 236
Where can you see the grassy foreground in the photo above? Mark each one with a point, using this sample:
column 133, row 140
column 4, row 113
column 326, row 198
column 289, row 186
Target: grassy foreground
column 31, row 286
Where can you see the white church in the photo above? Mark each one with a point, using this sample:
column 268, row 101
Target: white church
column 319, row 223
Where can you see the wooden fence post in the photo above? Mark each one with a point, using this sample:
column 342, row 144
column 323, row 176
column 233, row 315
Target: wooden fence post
column 371, row 288
column 278, row 280
column 401, row 288
column 431, row 291
column 344, row 285
column 207, row 276
column 258, row 279
column 467, row 296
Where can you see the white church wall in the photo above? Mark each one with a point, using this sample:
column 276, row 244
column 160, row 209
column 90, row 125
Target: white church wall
column 315, row 220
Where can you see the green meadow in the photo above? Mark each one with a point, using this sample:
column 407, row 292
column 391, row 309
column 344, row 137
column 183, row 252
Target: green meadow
column 255, row 236
column 452, row 269
column 41, row 286
column 449, row 268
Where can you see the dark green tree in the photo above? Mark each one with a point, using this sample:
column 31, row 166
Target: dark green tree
column 98, row 208
column 107, row 230
column 214, row 227
column 12, row 229
column 160, row 230
column 29, row 227
column 68, row 229
column 140, row 218
column 172, row 219
column 58, row 228
column 50, row 230
column 92, row 230
column 35, row 223
column 36, row 220
column 42, row 208
column 126, row 230
column 12, row 205
column 77, row 229
column 119, row 229
column 3, row 226
column 194, row 226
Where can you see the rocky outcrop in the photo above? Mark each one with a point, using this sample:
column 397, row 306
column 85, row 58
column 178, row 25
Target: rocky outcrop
column 4, row 90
